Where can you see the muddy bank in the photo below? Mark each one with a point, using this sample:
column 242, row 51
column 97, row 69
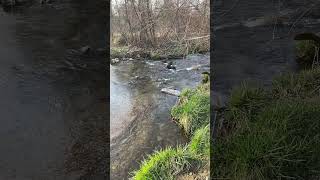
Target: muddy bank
column 53, row 96
column 254, row 39
column 147, row 125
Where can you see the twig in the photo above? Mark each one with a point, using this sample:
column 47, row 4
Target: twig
column 300, row 17
column 229, row 10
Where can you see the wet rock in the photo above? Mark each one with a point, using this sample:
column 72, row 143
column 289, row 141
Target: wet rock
column 85, row 49
column 205, row 77
column 115, row 61
column 196, row 67
column 171, row 66
column 171, row 91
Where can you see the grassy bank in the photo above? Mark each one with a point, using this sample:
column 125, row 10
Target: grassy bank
column 271, row 134
column 192, row 113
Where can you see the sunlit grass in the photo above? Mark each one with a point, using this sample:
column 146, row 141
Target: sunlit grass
column 193, row 111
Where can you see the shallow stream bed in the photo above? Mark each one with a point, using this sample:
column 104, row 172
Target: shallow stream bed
column 140, row 112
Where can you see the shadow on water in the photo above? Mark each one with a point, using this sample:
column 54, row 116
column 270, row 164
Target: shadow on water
column 53, row 106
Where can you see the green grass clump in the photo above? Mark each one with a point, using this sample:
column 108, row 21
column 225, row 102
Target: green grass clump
column 193, row 111
column 303, row 85
column 274, row 134
column 247, row 98
column 283, row 142
column 245, row 102
column 165, row 164
column 170, row 162
column 200, row 142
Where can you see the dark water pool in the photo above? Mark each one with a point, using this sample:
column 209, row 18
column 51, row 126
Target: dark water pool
column 53, row 111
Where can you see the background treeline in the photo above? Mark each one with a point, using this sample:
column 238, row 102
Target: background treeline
column 161, row 24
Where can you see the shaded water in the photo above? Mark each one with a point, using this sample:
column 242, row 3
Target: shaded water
column 51, row 112
column 140, row 113
column 254, row 39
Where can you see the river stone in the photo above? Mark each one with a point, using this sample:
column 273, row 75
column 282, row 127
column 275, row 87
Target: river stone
column 196, row 67
column 171, row 91
column 85, row 49
column 170, row 66
column 115, row 60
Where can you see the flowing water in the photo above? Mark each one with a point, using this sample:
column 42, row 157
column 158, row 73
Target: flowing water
column 53, row 106
column 140, row 112
column 253, row 40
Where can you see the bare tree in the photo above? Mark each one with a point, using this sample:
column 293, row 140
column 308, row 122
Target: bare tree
column 160, row 23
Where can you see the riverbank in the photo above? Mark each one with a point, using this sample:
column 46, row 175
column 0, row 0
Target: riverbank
column 269, row 133
column 175, row 51
column 192, row 113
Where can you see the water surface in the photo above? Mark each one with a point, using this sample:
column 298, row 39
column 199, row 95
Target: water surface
column 141, row 113
column 51, row 112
